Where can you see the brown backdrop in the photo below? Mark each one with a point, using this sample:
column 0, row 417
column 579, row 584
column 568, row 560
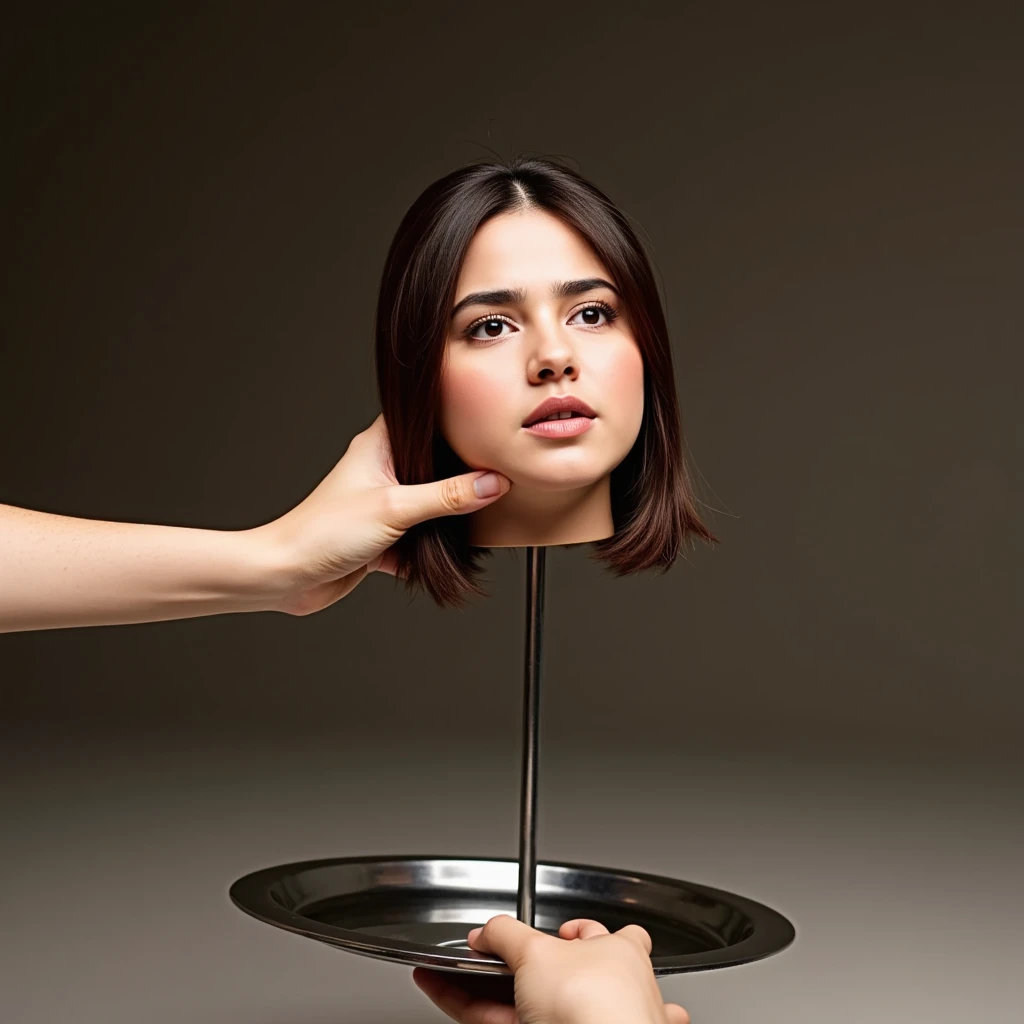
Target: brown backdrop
column 823, row 713
column 196, row 208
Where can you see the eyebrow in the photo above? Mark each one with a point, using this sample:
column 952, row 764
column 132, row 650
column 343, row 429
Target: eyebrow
column 508, row 296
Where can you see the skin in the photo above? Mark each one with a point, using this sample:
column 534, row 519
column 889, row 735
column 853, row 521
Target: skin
column 58, row 571
column 585, row 976
column 522, row 351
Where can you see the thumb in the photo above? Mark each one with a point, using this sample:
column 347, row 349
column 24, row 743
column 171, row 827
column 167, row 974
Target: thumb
column 676, row 1014
column 455, row 495
column 506, row 937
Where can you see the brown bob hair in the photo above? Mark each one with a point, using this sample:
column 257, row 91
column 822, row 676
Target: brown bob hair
column 653, row 505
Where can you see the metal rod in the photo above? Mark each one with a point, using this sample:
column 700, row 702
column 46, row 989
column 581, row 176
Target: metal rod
column 535, row 562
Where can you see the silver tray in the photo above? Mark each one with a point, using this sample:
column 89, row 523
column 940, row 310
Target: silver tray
column 418, row 910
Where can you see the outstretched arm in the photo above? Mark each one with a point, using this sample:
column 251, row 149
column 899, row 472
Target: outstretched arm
column 59, row 571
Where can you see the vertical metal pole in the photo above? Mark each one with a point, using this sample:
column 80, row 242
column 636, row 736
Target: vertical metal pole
column 535, row 562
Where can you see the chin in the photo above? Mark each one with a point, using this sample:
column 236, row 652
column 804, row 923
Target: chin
column 557, row 477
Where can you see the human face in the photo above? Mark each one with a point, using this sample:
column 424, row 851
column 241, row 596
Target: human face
column 557, row 330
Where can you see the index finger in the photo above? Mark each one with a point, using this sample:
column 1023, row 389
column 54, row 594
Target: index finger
column 378, row 431
column 370, row 449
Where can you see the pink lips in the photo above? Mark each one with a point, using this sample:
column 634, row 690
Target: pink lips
column 580, row 422
column 561, row 428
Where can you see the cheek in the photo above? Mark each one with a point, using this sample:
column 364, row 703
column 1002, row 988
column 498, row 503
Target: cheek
column 473, row 409
column 623, row 389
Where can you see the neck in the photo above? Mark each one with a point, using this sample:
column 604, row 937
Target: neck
column 535, row 518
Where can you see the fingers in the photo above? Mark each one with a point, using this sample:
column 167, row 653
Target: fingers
column 638, row 936
column 377, row 433
column 582, row 928
column 675, row 1014
column 448, row 998
column 385, row 562
column 455, row 495
column 506, row 937
column 373, row 442
column 345, row 586
column 367, row 458
column 459, row 1001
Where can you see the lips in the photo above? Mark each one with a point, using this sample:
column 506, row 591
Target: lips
column 561, row 404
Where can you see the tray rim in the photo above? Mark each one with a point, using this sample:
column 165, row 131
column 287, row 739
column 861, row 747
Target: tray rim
column 772, row 933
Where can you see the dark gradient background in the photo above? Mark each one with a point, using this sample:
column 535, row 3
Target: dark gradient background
column 823, row 713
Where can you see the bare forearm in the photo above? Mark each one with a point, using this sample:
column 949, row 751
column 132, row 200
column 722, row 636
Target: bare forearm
column 59, row 571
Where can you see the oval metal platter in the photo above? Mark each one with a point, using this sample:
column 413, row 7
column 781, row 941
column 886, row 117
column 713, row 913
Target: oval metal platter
column 419, row 910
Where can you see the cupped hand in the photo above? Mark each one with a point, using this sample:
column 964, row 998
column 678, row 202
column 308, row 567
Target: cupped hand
column 324, row 547
column 586, row 976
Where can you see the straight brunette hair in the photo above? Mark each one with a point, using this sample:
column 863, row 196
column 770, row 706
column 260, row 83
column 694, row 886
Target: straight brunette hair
column 653, row 505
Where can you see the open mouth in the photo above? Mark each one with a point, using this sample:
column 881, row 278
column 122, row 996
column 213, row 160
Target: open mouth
column 563, row 424
column 558, row 409
column 560, row 416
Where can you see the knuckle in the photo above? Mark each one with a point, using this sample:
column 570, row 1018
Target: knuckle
column 636, row 939
column 495, row 923
column 453, row 496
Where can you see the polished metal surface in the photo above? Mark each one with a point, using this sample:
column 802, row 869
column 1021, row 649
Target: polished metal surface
column 533, row 659
column 419, row 910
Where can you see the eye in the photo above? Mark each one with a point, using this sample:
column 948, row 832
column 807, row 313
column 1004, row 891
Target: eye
column 593, row 312
column 491, row 327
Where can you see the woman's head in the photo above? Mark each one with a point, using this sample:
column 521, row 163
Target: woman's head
column 506, row 285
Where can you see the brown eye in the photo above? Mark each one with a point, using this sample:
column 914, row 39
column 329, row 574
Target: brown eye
column 490, row 328
column 591, row 315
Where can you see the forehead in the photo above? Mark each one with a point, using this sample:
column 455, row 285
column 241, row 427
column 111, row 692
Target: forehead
column 525, row 248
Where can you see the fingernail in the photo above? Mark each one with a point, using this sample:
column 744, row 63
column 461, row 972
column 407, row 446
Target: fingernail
column 475, row 934
column 487, row 486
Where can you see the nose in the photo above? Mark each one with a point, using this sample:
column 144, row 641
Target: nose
column 552, row 358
